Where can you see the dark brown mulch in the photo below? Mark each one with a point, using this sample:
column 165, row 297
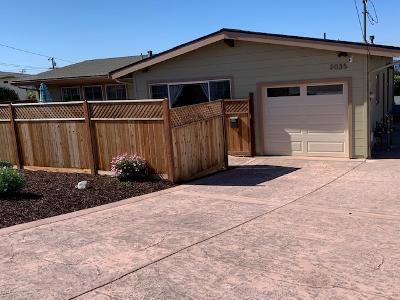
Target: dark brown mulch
column 48, row 194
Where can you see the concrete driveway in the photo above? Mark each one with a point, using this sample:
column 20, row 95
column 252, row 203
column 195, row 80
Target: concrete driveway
column 274, row 228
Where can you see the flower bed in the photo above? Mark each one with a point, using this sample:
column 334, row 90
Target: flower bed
column 48, row 194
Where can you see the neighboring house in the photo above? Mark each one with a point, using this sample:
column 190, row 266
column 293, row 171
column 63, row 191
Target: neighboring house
column 313, row 97
column 87, row 80
column 5, row 81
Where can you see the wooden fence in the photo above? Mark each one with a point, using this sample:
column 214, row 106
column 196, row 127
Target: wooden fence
column 240, row 135
column 180, row 143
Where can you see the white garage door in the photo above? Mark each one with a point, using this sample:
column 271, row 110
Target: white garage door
column 306, row 120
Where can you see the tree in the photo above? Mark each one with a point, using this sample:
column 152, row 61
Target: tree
column 7, row 94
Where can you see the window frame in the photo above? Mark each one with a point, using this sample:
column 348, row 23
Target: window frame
column 71, row 87
column 284, row 87
column 114, row 84
column 324, row 85
column 182, row 82
column 91, row 86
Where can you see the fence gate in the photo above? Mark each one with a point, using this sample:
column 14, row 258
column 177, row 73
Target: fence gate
column 240, row 126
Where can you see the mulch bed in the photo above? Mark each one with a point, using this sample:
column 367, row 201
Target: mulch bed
column 48, row 194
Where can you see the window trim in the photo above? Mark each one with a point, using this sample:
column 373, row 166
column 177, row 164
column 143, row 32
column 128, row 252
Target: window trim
column 114, row 84
column 71, row 87
column 168, row 83
column 89, row 86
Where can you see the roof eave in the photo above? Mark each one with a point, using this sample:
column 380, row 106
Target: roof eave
column 61, row 80
column 329, row 45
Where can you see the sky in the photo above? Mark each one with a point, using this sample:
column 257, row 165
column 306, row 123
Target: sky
column 74, row 31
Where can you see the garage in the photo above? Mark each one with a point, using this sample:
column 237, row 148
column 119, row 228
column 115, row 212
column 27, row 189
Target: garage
column 307, row 119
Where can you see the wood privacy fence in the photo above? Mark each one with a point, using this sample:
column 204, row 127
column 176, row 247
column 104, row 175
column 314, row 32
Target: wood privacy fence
column 239, row 115
column 182, row 143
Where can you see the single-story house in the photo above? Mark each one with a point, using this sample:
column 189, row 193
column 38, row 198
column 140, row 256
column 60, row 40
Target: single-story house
column 313, row 97
column 24, row 93
column 88, row 80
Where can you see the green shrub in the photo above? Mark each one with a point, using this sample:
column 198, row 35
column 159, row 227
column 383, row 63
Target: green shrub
column 5, row 164
column 129, row 167
column 10, row 181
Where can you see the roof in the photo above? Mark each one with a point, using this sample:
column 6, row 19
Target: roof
column 12, row 74
column 87, row 68
column 261, row 37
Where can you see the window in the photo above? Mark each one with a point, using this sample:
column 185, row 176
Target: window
column 159, row 91
column 188, row 93
column 220, row 89
column 116, row 92
column 283, row 92
column 71, row 94
column 332, row 89
column 93, row 92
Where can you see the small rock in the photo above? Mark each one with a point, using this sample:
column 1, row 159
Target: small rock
column 82, row 185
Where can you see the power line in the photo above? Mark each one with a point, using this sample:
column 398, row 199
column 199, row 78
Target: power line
column 22, row 66
column 371, row 19
column 35, row 53
column 359, row 19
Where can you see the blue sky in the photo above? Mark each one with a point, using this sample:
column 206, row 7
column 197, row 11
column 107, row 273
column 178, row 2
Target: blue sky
column 77, row 30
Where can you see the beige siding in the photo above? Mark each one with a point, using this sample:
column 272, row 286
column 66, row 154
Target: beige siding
column 250, row 63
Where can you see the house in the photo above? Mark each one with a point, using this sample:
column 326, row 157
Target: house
column 23, row 93
column 313, row 97
column 87, row 80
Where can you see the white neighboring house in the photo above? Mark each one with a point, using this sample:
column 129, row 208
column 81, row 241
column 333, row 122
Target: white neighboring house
column 5, row 81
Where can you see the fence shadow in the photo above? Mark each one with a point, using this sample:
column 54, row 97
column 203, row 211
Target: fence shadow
column 245, row 175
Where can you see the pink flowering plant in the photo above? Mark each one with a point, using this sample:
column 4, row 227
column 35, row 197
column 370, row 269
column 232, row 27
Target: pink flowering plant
column 129, row 167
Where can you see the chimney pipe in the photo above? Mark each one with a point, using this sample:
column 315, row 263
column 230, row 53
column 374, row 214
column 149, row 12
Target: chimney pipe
column 372, row 38
column 150, row 53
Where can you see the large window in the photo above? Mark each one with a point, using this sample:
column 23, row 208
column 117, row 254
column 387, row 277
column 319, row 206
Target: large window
column 116, row 92
column 71, row 94
column 187, row 93
column 93, row 92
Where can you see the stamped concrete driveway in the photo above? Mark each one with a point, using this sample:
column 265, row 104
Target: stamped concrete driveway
column 273, row 228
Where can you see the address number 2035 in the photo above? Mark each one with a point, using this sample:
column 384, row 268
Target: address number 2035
column 338, row 67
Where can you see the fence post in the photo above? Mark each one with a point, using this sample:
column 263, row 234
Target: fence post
column 17, row 149
column 90, row 138
column 169, row 151
column 252, row 132
column 225, row 135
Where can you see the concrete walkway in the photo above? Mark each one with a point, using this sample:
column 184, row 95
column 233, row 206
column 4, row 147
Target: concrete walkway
column 274, row 228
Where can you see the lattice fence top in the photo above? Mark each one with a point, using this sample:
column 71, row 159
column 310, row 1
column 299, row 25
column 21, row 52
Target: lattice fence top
column 4, row 112
column 45, row 112
column 237, row 106
column 151, row 110
column 194, row 113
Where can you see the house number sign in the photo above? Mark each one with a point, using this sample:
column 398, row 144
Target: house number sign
column 338, row 67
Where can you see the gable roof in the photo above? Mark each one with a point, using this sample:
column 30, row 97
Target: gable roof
column 87, row 68
column 260, row 37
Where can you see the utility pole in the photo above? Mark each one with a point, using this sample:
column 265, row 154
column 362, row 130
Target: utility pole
column 53, row 62
column 365, row 2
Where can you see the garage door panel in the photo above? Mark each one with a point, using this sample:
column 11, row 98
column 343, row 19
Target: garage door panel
column 285, row 147
column 306, row 125
column 327, row 147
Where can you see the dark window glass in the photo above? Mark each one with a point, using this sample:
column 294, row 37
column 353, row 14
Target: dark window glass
column 71, row 94
column 332, row 89
column 220, row 89
column 283, row 91
column 5, row 81
column 93, row 93
column 188, row 94
column 159, row 91
column 116, row 92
